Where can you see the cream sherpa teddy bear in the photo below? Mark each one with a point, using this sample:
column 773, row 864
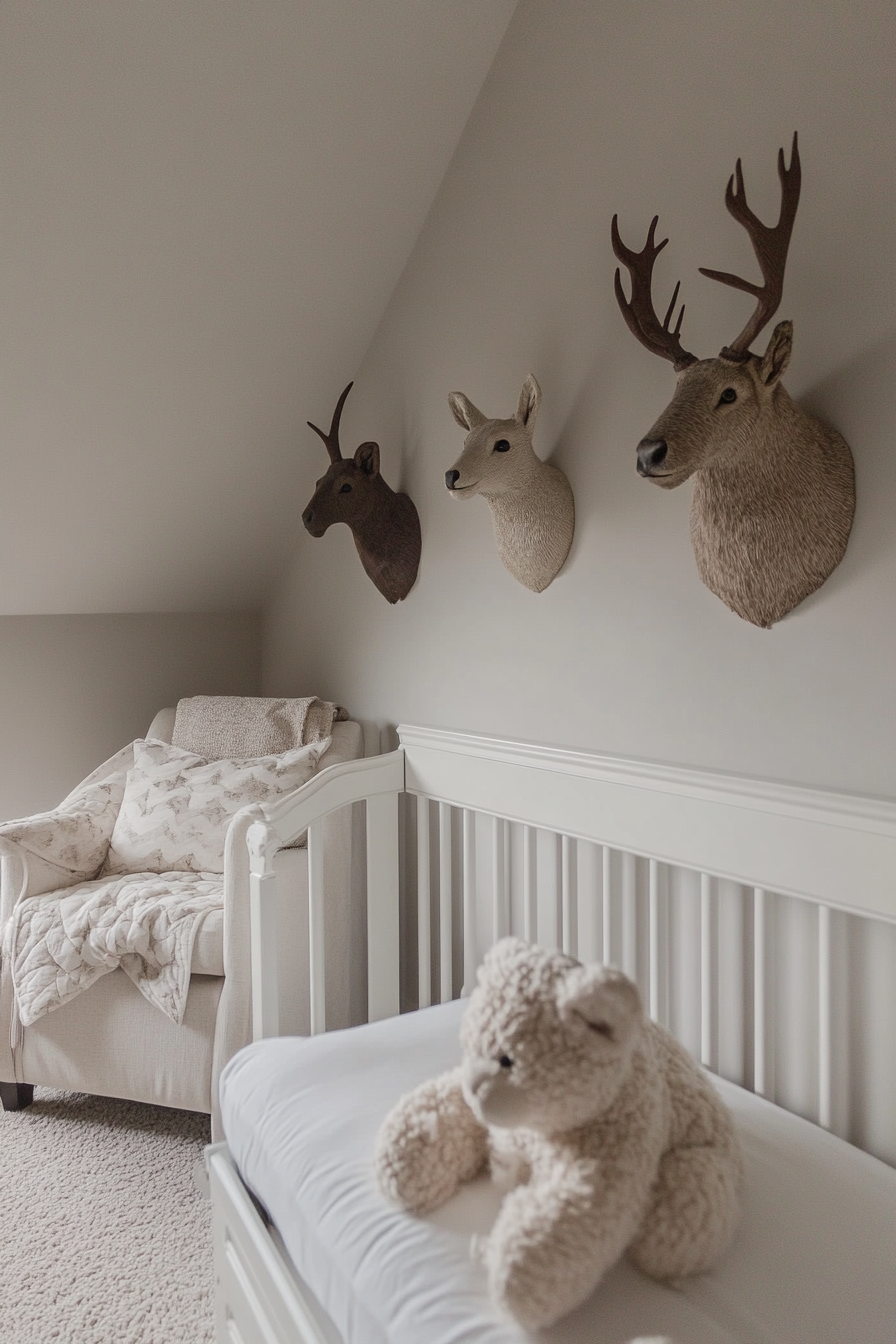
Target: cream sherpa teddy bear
column 598, row 1123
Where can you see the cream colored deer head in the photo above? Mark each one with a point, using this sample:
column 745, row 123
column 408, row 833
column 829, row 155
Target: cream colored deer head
column 774, row 489
column 531, row 502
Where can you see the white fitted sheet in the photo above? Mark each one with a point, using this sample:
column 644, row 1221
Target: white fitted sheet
column 813, row 1263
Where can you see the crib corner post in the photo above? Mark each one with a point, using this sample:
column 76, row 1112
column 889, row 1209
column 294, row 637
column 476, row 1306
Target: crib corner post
column 263, row 842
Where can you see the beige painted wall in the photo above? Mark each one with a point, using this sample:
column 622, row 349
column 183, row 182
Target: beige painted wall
column 588, row 110
column 73, row 689
column 205, row 208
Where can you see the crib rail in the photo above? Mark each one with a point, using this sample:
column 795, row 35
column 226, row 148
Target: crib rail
column 758, row 919
column 827, row 846
column 743, row 909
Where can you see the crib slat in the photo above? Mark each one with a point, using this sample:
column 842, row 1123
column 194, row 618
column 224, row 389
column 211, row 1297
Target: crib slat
column 317, row 943
column 382, row 906
column 508, row 905
column 707, row 974
column 446, row 961
column 653, row 935
column 530, row 884
column 469, row 901
column 424, row 908
column 553, row 878
column 606, row 951
column 629, row 916
column 760, row 993
column 587, row 901
column 567, row 895
column 500, row 919
column 824, row 1018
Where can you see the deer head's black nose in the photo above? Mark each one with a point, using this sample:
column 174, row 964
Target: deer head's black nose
column 307, row 515
column 451, row 477
column 651, row 453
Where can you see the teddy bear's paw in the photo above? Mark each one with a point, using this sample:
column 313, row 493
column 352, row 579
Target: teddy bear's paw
column 523, row 1299
column 534, row 1292
column 405, row 1161
column 427, row 1145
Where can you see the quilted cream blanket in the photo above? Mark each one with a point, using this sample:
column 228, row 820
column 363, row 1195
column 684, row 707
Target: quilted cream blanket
column 58, row 944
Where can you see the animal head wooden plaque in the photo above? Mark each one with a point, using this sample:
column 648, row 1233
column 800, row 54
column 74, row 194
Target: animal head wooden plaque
column 531, row 502
column 774, row 488
column 385, row 525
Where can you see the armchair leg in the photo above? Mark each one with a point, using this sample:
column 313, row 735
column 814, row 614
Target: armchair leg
column 16, row 1096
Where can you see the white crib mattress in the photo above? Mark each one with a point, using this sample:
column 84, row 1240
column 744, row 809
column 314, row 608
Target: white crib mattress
column 813, row 1263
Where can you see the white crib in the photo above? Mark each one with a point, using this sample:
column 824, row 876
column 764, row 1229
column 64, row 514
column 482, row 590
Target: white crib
column 759, row 920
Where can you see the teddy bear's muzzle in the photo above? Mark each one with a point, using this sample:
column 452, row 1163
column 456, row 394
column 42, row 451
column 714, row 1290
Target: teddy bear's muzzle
column 492, row 1096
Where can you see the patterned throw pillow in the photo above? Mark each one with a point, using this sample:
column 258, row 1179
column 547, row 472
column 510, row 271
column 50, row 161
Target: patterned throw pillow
column 177, row 806
column 75, row 835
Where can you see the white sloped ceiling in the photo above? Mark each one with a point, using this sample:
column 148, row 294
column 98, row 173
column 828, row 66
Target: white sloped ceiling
column 204, row 207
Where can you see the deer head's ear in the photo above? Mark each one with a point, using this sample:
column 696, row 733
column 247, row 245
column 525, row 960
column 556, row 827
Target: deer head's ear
column 464, row 412
column 604, row 999
column 367, row 457
column 777, row 355
column 530, row 398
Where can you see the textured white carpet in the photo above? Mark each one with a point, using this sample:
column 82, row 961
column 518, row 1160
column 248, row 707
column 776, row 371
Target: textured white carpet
column 104, row 1237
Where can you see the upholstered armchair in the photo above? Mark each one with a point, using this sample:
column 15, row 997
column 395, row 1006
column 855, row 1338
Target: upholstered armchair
column 112, row 1038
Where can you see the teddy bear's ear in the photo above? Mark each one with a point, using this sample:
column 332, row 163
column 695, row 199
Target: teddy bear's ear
column 501, row 955
column 603, row 998
column 507, row 947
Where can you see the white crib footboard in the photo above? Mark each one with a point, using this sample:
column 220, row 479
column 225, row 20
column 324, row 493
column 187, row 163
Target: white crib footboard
column 260, row 1299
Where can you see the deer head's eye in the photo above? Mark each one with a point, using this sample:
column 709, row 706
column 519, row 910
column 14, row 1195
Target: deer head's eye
column 345, row 489
column 727, row 396
column 502, row 446
column 506, row 1062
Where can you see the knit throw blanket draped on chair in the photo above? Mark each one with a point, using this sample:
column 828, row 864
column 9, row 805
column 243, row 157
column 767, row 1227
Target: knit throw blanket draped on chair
column 215, row 726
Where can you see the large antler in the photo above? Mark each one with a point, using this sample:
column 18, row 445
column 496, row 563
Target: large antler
column 769, row 244
column 332, row 439
column 638, row 312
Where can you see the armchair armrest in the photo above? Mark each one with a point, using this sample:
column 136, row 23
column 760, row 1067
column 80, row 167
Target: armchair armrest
column 66, row 845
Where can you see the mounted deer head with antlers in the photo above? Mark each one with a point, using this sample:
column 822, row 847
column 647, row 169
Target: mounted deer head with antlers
column 531, row 502
column 385, row 525
column 774, row 488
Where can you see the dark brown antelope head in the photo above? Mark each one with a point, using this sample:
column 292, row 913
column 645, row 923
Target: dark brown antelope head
column 385, row 525
column 774, row 494
column 342, row 494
